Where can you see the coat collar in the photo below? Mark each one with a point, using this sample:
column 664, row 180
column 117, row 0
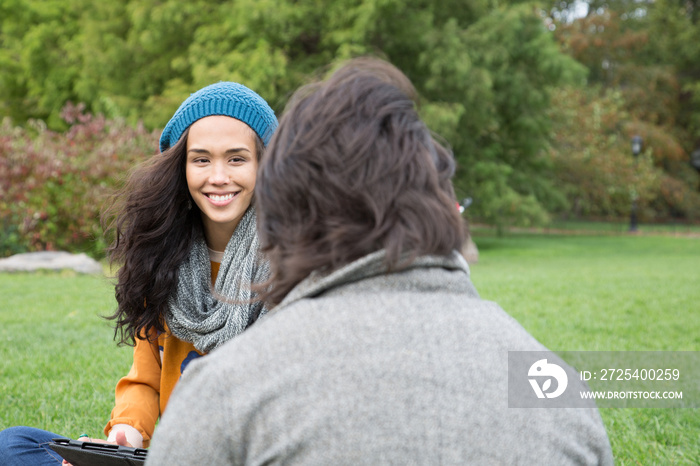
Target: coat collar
column 373, row 266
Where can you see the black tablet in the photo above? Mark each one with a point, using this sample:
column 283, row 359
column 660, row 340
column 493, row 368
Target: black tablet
column 97, row 454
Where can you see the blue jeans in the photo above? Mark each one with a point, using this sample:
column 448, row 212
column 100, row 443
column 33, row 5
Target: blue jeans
column 21, row 446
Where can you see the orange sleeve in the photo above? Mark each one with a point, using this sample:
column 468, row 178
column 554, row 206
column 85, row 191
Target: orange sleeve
column 137, row 394
column 141, row 396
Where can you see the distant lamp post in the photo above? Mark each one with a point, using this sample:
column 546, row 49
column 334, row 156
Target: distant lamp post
column 695, row 159
column 637, row 144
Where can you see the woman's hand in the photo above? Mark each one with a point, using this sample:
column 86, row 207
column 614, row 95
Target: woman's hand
column 121, row 440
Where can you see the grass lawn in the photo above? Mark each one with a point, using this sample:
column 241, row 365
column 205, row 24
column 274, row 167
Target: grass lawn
column 58, row 362
column 59, row 365
column 608, row 228
column 607, row 293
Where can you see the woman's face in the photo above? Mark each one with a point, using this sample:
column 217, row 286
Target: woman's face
column 221, row 168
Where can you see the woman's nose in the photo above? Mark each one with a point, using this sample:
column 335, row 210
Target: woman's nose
column 219, row 174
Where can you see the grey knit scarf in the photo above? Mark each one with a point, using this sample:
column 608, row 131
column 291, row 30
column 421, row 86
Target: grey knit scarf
column 195, row 314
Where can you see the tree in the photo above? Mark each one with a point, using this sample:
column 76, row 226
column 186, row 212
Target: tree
column 675, row 26
column 485, row 76
column 38, row 74
column 502, row 73
column 613, row 41
column 485, row 72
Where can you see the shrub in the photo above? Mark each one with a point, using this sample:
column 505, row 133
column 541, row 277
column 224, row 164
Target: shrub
column 594, row 166
column 53, row 185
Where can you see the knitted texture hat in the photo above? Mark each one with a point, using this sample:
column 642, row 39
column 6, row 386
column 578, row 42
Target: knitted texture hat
column 223, row 98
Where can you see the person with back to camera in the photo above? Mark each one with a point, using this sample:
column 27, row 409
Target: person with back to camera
column 378, row 349
column 183, row 224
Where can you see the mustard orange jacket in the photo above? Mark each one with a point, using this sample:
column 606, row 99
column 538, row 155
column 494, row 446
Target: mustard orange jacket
column 142, row 395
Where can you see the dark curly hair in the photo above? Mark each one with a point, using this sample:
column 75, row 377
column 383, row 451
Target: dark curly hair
column 351, row 170
column 152, row 223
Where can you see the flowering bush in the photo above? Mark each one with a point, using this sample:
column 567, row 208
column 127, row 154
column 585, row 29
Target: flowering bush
column 53, row 185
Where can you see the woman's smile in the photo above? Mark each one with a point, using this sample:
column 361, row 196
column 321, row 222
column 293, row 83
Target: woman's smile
column 221, row 200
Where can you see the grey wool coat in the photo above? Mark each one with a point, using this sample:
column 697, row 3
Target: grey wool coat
column 363, row 367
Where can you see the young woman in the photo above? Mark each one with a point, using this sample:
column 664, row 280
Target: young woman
column 383, row 351
column 183, row 224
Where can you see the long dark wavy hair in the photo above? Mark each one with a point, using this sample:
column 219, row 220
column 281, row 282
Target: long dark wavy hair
column 152, row 223
column 351, row 170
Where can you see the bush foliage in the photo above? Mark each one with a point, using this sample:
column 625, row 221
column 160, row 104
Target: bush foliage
column 53, row 184
column 594, row 166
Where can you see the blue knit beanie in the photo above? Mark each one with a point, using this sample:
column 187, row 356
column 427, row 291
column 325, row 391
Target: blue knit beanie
column 224, row 98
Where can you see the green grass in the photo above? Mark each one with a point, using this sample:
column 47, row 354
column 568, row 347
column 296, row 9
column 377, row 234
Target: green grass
column 58, row 362
column 620, row 227
column 59, row 365
column 623, row 227
column 586, row 293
